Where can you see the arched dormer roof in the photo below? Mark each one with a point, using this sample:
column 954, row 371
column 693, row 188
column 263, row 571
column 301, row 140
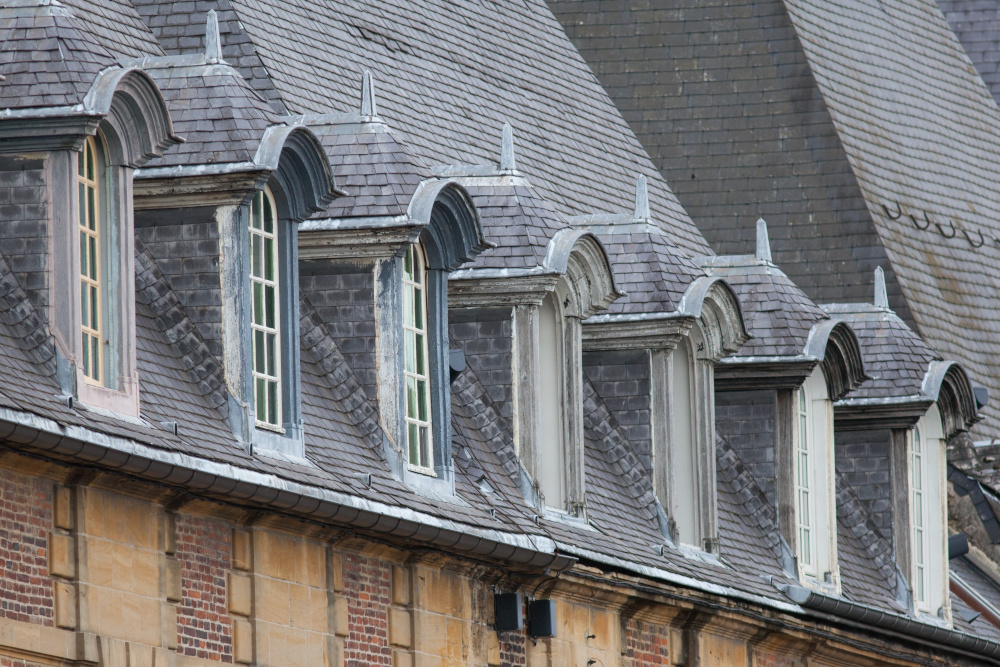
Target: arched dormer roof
column 135, row 111
column 715, row 304
column 589, row 285
column 947, row 383
column 450, row 221
column 299, row 168
column 834, row 343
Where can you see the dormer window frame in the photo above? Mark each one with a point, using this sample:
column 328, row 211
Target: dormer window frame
column 928, row 518
column 266, row 316
column 417, row 363
column 817, row 568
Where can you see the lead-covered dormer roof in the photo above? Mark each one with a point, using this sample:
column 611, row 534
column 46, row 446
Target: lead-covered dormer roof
column 48, row 58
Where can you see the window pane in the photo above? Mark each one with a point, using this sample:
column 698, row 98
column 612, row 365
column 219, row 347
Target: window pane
column 95, row 356
column 408, row 319
column 268, row 259
column 80, row 204
column 91, row 209
column 94, row 310
column 258, row 303
column 268, row 216
column 425, row 446
column 269, row 307
column 84, row 304
column 90, row 161
column 411, row 398
column 421, row 361
column 93, row 258
column 79, row 165
column 418, row 309
column 422, row 400
column 86, row 355
column 256, row 262
column 271, row 355
column 255, row 210
column 409, row 352
column 258, row 344
column 408, row 264
column 411, row 439
column 272, row 403
column 261, row 398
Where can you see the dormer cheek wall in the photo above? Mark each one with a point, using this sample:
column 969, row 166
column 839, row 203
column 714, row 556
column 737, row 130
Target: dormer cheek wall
column 25, row 205
column 622, row 379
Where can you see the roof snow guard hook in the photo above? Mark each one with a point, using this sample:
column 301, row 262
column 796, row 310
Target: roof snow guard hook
column 973, row 243
column 899, row 211
column 941, row 229
column 927, row 222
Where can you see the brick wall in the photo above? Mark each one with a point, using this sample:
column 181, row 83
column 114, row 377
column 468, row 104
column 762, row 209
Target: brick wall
column 772, row 659
column 346, row 303
column 188, row 255
column 204, row 628
column 746, row 420
column 367, row 589
column 23, row 225
column 512, row 653
column 622, row 380
column 646, row 644
column 863, row 458
column 25, row 520
column 485, row 335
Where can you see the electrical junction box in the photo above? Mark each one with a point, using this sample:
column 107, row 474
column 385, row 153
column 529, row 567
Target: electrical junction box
column 542, row 618
column 509, row 612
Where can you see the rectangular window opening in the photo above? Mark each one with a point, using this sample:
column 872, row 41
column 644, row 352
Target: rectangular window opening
column 416, row 371
column 265, row 316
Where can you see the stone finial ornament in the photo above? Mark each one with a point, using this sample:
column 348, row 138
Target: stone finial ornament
column 641, row 199
column 763, row 243
column 881, row 295
column 368, row 107
column 213, row 42
column 507, row 161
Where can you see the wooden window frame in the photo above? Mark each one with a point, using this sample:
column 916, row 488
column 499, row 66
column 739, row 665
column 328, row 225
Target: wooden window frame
column 265, row 373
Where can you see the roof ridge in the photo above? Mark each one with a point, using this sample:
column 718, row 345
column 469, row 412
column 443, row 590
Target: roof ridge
column 852, row 515
column 19, row 313
column 341, row 381
column 153, row 289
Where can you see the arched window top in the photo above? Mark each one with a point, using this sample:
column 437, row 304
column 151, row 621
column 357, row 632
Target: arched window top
column 416, row 361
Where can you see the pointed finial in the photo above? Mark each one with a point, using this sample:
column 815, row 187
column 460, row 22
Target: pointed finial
column 881, row 296
column 507, row 161
column 213, row 43
column 641, row 199
column 368, row 107
column 763, row 244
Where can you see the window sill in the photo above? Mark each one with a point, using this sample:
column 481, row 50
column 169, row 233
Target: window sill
column 420, row 470
column 269, row 427
column 560, row 516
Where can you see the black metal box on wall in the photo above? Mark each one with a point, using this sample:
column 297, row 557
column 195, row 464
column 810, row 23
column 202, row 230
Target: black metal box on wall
column 542, row 618
column 509, row 611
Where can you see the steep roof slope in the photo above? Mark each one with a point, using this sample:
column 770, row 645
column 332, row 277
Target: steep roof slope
column 912, row 123
column 448, row 75
column 977, row 25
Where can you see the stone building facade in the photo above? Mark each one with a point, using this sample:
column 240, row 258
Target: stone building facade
column 368, row 334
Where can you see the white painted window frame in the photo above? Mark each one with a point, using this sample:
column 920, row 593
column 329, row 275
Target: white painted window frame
column 415, row 283
column 271, row 373
column 936, row 603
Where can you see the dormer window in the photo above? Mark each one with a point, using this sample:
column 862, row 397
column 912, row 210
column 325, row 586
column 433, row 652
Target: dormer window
column 416, row 364
column 814, row 491
column 266, row 313
column 685, row 496
column 90, row 169
column 551, row 472
column 928, row 516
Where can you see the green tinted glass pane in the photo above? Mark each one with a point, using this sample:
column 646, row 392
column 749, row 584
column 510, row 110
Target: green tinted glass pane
column 918, row 475
column 79, row 164
column 256, row 259
column 271, row 354
column 272, row 403
column 408, row 264
column 258, row 351
column 407, row 305
column 411, row 398
column 269, row 259
column 95, row 356
column 422, row 400
column 409, row 354
column 418, row 309
column 258, row 304
column 91, row 209
column 411, row 440
column 94, row 314
column 255, row 211
column 261, row 405
column 425, row 446
column 93, row 258
column 90, row 162
column 918, row 512
column 84, row 304
column 83, row 254
column 86, row 355
column 81, row 204
column 268, row 215
column 421, row 362
column 804, row 509
column 803, row 470
column 269, row 306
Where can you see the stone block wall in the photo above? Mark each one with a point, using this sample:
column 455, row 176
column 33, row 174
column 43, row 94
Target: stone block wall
column 863, row 457
column 486, row 337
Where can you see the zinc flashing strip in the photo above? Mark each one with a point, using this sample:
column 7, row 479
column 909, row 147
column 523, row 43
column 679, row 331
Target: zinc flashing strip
column 46, row 435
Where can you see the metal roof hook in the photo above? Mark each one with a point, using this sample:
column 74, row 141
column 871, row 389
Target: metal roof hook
column 968, row 238
column 899, row 211
column 941, row 230
column 917, row 224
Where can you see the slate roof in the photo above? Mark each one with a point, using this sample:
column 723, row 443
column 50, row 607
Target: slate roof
column 779, row 315
column 895, row 358
column 48, row 58
column 116, row 25
column 449, row 75
column 817, row 115
column 977, row 26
